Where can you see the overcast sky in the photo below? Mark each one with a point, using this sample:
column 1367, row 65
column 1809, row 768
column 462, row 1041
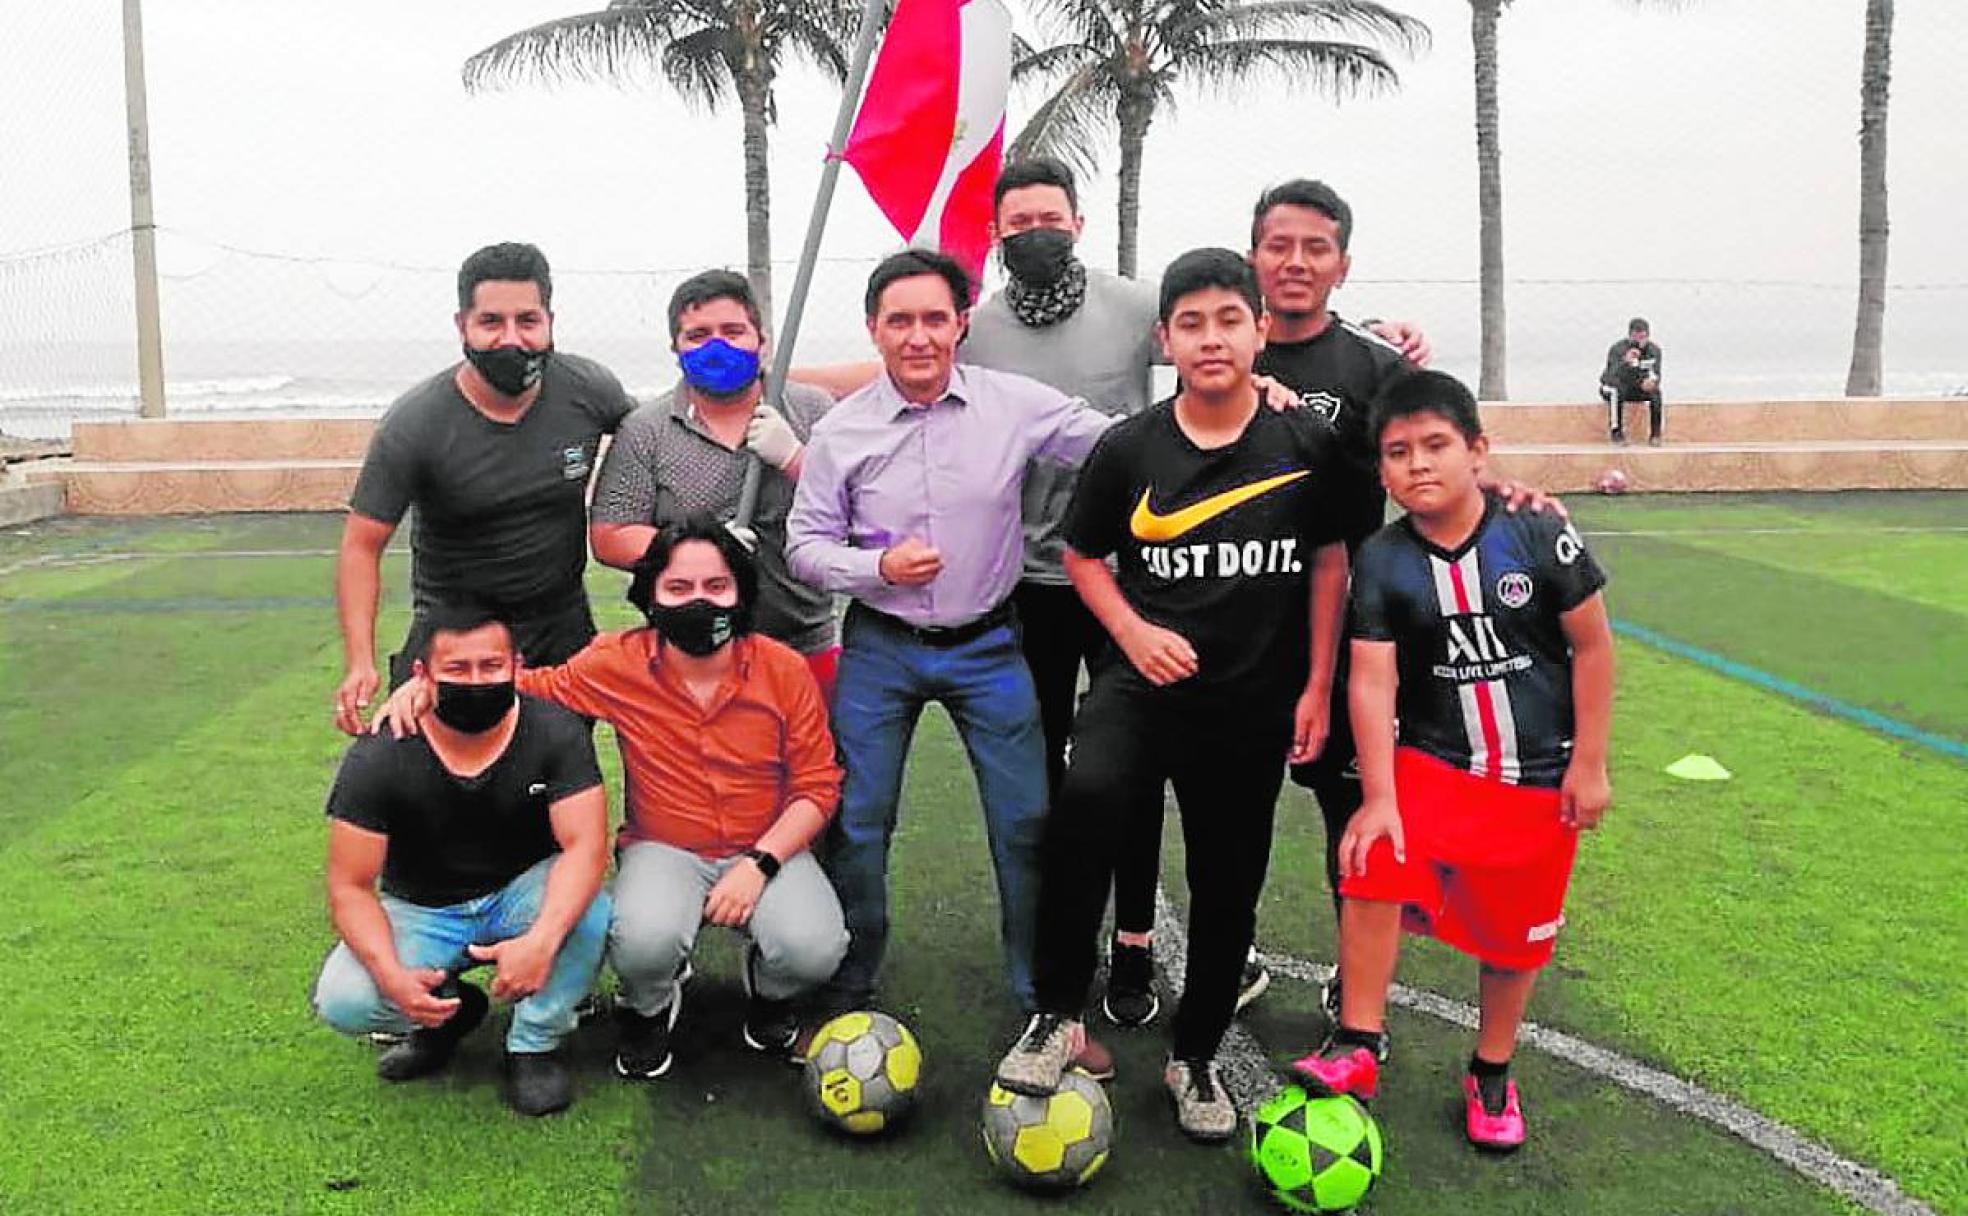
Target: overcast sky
column 1716, row 141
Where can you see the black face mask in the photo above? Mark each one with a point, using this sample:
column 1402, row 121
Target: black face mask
column 698, row 627
column 473, row 708
column 510, row 369
column 1038, row 256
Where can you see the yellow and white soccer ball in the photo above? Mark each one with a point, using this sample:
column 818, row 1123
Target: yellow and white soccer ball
column 861, row 1072
column 1054, row 1142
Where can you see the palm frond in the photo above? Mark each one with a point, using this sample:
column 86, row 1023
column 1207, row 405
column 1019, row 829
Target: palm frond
column 1040, row 66
column 1335, row 69
column 821, row 33
column 615, row 45
column 1093, row 23
column 698, row 67
column 1362, row 19
column 1071, row 123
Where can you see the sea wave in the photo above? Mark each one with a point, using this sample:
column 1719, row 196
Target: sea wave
column 234, row 386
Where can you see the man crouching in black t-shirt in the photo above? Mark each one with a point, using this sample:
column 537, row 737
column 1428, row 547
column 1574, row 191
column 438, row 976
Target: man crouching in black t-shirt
column 1227, row 529
column 489, row 831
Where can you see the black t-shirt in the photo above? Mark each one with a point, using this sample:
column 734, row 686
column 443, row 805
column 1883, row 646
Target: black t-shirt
column 501, row 509
column 1337, row 374
column 1216, row 545
column 456, row 838
column 1485, row 666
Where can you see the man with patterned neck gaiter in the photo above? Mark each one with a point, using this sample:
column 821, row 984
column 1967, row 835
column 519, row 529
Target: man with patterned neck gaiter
column 1092, row 335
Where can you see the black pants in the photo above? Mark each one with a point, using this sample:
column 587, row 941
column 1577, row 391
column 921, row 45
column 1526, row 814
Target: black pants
column 1616, row 397
column 1058, row 636
column 1225, row 756
column 1334, row 778
column 543, row 639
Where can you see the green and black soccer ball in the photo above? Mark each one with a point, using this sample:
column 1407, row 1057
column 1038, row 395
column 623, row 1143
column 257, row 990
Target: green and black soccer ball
column 1315, row 1154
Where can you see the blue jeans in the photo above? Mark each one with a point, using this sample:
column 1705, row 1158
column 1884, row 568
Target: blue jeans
column 346, row 996
column 886, row 677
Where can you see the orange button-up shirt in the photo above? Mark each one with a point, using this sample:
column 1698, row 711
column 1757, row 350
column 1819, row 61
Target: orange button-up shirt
column 708, row 778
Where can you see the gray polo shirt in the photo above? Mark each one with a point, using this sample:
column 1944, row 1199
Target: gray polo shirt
column 664, row 466
column 1102, row 354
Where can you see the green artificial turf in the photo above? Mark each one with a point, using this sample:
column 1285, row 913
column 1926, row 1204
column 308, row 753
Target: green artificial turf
column 164, row 748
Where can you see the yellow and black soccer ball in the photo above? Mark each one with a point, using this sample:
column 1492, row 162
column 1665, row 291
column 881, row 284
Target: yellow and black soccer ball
column 1050, row 1143
column 862, row 1069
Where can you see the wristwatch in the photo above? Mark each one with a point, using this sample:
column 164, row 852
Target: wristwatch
column 768, row 864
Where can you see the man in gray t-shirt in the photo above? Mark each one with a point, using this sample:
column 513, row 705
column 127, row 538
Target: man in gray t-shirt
column 686, row 454
column 495, row 455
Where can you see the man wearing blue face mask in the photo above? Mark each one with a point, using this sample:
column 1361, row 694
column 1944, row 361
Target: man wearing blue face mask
column 686, row 453
column 494, row 454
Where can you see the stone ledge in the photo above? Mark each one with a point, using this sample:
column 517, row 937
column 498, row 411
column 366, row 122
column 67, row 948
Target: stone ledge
column 1903, row 465
column 224, row 437
column 188, row 488
column 23, row 503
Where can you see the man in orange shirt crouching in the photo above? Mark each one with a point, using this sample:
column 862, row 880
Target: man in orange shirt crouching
column 731, row 775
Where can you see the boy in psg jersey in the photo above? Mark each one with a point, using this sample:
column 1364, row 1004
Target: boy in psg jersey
column 1224, row 607
column 1483, row 634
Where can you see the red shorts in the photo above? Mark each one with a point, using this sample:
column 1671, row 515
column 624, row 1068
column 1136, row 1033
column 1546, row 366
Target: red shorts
column 825, row 665
column 1487, row 867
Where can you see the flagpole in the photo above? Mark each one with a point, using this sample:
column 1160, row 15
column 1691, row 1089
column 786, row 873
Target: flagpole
column 816, row 226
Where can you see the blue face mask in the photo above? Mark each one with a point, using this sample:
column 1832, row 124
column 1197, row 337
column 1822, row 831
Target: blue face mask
column 719, row 368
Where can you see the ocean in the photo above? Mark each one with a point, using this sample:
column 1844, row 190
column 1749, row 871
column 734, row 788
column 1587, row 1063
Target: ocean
column 1719, row 342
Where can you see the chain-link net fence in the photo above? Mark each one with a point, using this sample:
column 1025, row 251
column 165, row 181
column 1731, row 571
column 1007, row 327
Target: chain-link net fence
column 328, row 296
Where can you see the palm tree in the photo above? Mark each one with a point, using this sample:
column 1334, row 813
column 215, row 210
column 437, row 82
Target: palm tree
column 1489, row 191
column 1864, row 378
column 1490, row 385
column 1118, row 61
column 708, row 51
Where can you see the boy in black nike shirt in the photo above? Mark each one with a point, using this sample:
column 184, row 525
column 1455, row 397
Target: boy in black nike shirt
column 1225, row 609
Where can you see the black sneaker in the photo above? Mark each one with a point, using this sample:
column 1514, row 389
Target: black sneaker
column 1254, row 980
column 537, row 1083
column 1329, row 998
column 1619, row 437
column 642, row 1048
column 771, row 1026
column 1130, row 998
column 428, row 1049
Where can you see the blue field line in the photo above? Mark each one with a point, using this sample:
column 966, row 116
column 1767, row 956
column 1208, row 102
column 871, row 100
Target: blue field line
column 1870, row 719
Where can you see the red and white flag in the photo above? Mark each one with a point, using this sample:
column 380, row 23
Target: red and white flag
column 929, row 138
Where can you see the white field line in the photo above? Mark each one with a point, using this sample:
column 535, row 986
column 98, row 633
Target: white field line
column 62, row 561
column 1251, row 1077
column 1882, row 529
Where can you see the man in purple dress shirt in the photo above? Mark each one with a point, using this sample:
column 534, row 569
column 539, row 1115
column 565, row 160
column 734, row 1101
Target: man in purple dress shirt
column 909, row 503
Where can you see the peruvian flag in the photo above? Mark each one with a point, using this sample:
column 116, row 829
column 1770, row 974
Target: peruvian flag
column 929, row 138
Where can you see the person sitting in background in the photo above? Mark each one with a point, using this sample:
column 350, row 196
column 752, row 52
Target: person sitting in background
column 1633, row 369
column 490, row 836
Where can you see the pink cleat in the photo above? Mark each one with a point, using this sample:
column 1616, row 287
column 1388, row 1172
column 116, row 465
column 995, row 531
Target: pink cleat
column 1340, row 1069
column 1500, row 1133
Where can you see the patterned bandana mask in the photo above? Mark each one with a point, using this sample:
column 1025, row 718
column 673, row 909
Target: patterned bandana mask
column 1042, row 306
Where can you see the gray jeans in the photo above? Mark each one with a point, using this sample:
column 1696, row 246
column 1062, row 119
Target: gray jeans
column 797, row 933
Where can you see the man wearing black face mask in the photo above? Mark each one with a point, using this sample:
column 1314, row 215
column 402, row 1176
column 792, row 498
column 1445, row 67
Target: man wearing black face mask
column 495, row 455
column 731, row 775
column 490, row 837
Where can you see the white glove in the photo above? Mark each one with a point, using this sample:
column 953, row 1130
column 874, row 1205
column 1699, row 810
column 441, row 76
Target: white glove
column 771, row 436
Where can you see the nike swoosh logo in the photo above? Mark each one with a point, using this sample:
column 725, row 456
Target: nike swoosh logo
column 537, row 788
column 1160, row 529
